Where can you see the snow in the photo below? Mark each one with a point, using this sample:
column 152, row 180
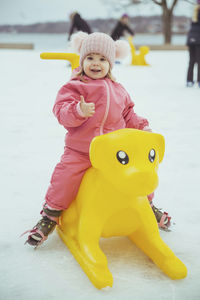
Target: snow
column 31, row 144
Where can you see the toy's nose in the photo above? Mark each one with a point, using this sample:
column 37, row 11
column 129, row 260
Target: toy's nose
column 141, row 182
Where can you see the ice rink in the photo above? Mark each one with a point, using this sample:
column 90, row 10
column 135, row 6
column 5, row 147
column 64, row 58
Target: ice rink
column 32, row 142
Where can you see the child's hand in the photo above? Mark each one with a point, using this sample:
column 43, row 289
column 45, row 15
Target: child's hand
column 88, row 109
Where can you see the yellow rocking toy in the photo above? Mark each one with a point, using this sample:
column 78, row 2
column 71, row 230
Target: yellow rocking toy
column 112, row 201
column 138, row 59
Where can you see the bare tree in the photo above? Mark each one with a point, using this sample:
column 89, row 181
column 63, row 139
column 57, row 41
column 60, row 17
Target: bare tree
column 167, row 16
column 167, row 8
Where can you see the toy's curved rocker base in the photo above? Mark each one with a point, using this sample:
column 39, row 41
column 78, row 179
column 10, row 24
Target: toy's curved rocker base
column 123, row 172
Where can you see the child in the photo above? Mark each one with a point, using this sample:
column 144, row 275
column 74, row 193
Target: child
column 90, row 104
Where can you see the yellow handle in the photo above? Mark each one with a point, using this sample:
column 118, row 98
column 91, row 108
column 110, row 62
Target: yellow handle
column 73, row 58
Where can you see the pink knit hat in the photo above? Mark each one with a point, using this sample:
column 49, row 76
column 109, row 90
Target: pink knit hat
column 100, row 43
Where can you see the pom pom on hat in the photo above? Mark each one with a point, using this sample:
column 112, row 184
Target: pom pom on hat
column 77, row 40
column 100, row 43
column 122, row 49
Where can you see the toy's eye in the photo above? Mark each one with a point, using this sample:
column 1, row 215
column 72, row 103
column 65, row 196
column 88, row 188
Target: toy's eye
column 152, row 155
column 122, row 157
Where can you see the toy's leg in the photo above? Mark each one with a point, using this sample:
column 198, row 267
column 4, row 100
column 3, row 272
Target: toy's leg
column 147, row 238
column 94, row 261
column 89, row 233
column 82, row 239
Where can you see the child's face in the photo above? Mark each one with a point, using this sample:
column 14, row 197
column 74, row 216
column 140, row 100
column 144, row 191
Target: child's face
column 95, row 66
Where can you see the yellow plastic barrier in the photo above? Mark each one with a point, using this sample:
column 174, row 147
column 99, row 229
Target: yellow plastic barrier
column 73, row 58
column 138, row 59
column 112, row 202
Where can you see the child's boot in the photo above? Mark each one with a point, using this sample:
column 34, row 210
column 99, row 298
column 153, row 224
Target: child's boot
column 164, row 221
column 44, row 227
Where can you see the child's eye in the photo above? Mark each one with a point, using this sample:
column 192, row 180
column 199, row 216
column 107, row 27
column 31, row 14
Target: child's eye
column 89, row 58
column 102, row 59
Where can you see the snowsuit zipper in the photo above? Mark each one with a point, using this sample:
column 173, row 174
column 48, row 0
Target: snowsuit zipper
column 107, row 108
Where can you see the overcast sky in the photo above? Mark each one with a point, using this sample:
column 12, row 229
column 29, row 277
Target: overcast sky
column 32, row 11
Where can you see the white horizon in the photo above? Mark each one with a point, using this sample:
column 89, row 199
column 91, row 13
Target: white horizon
column 26, row 12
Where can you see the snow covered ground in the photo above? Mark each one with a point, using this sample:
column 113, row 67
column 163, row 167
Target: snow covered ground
column 32, row 143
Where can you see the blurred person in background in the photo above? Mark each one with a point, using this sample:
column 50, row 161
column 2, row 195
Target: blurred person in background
column 121, row 28
column 78, row 23
column 193, row 43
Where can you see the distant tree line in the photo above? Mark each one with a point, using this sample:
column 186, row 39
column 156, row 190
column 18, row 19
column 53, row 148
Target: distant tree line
column 151, row 25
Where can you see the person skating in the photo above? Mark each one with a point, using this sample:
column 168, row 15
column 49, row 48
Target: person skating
column 193, row 43
column 78, row 23
column 121, row 28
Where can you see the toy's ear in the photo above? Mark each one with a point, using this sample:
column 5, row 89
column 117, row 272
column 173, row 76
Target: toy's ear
column 96, row 149
column 122, row 49
column 77, row 40
column 161, row 145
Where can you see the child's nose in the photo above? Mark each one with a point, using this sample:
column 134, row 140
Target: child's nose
column 95, row 62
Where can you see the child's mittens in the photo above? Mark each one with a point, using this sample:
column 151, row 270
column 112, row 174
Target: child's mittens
column 147, row 128
column 87, row 109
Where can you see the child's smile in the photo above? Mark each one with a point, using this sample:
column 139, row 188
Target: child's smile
column 95, row 70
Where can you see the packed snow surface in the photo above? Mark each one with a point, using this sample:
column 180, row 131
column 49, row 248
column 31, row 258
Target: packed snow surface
column 32, row 142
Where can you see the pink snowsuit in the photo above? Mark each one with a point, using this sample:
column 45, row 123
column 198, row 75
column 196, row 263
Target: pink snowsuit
column 113, row 110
